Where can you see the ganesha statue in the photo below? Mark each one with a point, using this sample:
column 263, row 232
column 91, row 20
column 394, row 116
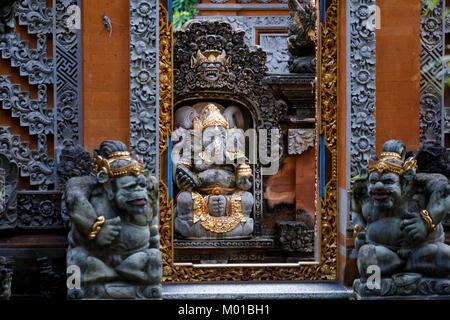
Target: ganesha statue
column 113, row 240
column 212, row 173
column 397, row 215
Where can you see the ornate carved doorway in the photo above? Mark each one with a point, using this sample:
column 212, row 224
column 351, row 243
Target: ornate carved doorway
column 220, row 83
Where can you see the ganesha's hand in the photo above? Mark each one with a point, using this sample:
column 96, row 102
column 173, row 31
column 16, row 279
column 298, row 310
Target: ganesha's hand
column 243, row 183
column 217, row 206
column 110, row 230
column 184, row 180
column 415, row 227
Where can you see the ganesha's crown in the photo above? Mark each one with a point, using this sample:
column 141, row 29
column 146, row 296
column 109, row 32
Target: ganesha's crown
column 214, row 118
column 383, row 165
column 134, row 168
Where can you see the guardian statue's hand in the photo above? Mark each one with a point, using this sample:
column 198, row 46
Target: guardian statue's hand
column 110, row 230
column 415, row 227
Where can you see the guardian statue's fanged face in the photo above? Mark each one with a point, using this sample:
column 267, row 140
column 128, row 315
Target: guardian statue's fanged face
column 124, row 181
column 131, row 193
column 210, row 63
column 385, row 179
column 384, row 189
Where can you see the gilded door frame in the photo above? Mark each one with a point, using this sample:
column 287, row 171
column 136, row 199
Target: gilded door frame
column 325, row 268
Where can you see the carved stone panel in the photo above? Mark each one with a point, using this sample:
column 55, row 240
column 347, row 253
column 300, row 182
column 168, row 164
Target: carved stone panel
column 6, row 273
column 68, row 77
column 274, row 44
column 294, row 236
column 144, row 79
column 362, row 83
column 242, row 78
column 300, row 140
column 432, row 43
column 2, row 189
column 276, row 49
column 50, row 124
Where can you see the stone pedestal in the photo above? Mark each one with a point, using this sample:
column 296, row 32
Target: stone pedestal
column 119, row 290
column 403, row 286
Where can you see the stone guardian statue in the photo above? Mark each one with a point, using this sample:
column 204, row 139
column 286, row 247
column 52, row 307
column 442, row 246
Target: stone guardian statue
column 114, row 238
column 397, row 215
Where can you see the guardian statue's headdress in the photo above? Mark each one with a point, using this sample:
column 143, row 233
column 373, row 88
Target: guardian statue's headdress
column 392, row 162
column 135, row 167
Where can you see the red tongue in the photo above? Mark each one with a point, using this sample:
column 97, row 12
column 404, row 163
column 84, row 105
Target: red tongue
column 380, row 195
column 140, row 202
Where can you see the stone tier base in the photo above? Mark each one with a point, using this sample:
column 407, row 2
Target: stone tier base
column 240, row 291
column 403, row 286
column 118, row 290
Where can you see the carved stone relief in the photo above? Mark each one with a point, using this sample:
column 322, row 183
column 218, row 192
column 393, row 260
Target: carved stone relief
column 144, row 70
column 362, row 82
column 39, row 210
column 446, row 76
column 274, row 45
column 432, row 43
column 301, row 40
column 240, row 79
column 60, row 72
column 300, row 140
column 6, row 273
column 276, row 49
column 9, row 200
column 7, row 13
column 2, row 189
column 294, row 236
column 67, row 84
column 243, row 77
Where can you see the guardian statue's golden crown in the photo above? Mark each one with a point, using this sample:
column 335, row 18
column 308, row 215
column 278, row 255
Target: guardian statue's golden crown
column 383, row 165
column 134, row 168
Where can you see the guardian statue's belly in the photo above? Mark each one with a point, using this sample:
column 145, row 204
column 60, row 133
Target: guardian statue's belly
column 132, row 238
column 386, row 231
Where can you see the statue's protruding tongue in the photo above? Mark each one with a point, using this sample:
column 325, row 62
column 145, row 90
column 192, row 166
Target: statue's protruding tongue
column 138, row 202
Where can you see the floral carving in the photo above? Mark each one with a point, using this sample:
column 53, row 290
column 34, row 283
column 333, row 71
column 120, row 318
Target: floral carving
column 144, row 81
column 432, row 42
column 362, row 82
column 300, row 140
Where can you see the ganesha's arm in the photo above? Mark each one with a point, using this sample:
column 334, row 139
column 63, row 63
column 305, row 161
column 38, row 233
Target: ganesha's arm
column 80, row 210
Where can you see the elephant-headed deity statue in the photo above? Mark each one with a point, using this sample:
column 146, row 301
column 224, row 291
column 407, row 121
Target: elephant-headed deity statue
column 212, row 173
